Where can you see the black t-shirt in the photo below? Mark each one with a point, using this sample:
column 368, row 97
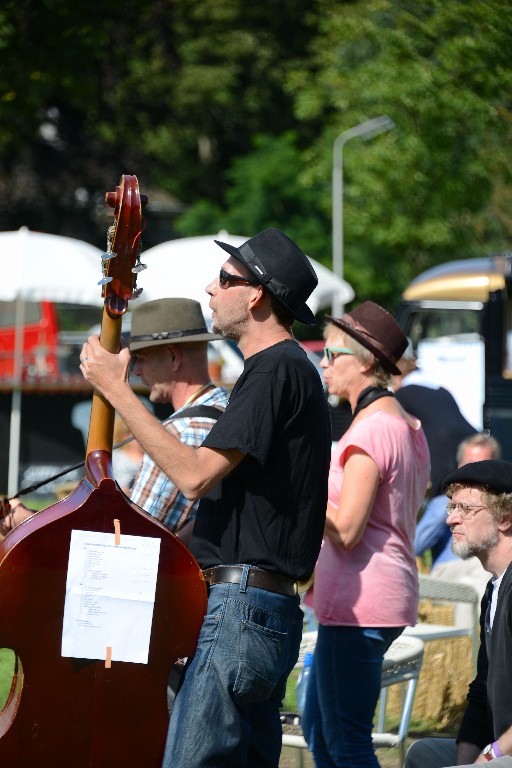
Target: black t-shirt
column 270, row 511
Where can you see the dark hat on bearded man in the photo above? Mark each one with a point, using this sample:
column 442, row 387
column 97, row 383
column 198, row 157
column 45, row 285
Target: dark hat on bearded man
column 168, row 321
column 491, row 473
column 281, row 267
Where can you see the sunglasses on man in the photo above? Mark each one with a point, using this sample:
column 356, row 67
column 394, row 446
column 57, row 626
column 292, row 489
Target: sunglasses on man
column 226, row 279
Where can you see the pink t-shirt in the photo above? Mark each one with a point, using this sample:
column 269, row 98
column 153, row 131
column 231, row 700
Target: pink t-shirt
column 375, row 584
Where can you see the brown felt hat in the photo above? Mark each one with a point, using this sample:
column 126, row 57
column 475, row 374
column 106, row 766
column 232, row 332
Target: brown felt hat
column 376, row 330
column 168, row 321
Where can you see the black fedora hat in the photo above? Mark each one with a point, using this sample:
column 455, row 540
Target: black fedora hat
column 491, row 473
column 168, row 321
column 376, row 330
column 281, row 267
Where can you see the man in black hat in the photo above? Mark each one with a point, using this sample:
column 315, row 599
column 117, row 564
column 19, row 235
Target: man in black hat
column 269, row 455
column 480, row 518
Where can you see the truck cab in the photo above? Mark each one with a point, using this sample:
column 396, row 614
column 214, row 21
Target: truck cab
column 458, row 317
column 47, row 337
column 39, row 339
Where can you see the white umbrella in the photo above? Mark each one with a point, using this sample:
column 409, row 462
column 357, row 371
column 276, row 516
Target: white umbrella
column 39, row 267
column 185, row 266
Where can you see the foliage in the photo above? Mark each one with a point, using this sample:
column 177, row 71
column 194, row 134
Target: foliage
column 431, row 190
column 266, row 188
column 228, row 112
column 174, row 89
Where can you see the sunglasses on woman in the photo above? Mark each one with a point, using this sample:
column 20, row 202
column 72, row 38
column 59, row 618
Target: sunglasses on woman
column 331, row 353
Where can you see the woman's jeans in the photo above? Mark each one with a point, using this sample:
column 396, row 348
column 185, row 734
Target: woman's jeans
column 226, row 712
column 343, row 690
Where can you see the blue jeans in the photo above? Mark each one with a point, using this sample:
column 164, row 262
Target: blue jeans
column 226, row 713
column 343, row 691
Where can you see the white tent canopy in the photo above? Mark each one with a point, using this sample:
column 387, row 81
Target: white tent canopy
column 184, row 267
column 40, row 267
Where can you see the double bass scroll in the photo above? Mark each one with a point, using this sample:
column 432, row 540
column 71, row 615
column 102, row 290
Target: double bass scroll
column 120, row 267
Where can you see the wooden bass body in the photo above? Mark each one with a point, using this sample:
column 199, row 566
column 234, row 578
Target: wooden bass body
column 65, row 712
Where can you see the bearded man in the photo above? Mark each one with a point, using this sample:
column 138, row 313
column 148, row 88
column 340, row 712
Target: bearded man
column 480, row 518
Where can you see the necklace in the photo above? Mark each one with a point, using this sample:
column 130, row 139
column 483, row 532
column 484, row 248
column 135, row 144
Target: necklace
column 369, row 395
column 198, row 393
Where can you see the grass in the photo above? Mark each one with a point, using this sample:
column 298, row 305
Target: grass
column 37, row 502
column 388, row 758
column 290, row 703
column 6, row 670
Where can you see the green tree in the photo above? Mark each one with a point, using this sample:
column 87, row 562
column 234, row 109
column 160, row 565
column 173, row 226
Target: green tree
column 433, row 189
column 172, row 91
column 232, row 110
column 266, row 188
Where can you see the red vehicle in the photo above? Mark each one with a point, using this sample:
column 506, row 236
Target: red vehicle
column 50, row 337
column 38, row 339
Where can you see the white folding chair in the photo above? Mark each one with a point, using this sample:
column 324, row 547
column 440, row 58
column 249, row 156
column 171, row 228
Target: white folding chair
column 449, row 592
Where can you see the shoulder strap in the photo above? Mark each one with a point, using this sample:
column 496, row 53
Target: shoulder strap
column 197, row 411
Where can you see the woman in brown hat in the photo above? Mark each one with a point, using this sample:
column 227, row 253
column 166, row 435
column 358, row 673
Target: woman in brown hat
column 366, row 585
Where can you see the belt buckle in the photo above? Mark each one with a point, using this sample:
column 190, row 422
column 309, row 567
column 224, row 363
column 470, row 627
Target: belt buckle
column 209, row 576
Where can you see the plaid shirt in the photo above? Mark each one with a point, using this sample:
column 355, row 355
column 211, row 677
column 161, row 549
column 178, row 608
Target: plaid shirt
column 154, row 491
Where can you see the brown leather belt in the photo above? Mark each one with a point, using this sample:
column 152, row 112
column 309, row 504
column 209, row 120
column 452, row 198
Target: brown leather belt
column 232, row 574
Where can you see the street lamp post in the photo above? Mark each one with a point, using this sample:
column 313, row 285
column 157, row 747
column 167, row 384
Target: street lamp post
column 365, row 130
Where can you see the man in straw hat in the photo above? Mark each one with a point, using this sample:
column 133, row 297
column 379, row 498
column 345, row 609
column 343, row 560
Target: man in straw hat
column 270, row 452
column 480, row 517
column 169, row 342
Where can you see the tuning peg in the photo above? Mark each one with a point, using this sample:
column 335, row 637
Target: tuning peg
column 139, row 267
column 105, row 280
column 137, row 292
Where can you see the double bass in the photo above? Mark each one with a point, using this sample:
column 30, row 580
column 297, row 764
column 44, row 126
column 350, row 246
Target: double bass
column 63, row 711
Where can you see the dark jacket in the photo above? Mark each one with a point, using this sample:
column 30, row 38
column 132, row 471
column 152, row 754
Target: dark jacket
column 489, row 711
column 444, row 426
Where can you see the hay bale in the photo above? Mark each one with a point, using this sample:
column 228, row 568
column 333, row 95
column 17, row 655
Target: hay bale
column 443, row 683
column 446, row 672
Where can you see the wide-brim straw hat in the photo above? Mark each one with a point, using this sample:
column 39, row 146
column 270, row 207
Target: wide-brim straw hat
column 168, row 321
column 376, row 330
